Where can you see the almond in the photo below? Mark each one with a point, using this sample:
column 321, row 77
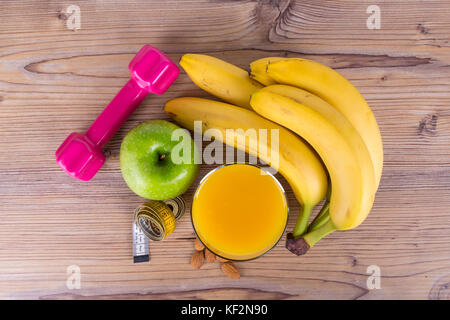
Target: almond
column 209, row 256
column 230, row 270
column 197, row 259
column 221, row 259
column 198, row 245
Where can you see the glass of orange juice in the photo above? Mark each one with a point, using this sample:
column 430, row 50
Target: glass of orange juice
column 239, row 211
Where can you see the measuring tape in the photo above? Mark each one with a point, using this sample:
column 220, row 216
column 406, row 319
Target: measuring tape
column 157, row 219
column 177, row 205
column 154, row 220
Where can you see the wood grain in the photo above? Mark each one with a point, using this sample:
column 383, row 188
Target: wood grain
column 54, row 81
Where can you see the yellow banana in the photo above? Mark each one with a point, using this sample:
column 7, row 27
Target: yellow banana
column 297, row 162
column 352, row 192
column 336, row 90
column 347, row 131
column 258, row 70
column 220, row 78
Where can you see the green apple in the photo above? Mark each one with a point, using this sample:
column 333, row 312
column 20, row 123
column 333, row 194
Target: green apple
column 148, row 164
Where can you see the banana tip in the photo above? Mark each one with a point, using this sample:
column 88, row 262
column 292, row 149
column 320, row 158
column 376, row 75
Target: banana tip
column 297, row 246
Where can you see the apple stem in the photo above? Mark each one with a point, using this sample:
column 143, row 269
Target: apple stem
column 162, row 157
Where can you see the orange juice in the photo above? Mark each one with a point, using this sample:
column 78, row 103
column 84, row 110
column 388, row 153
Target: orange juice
column 239, row 211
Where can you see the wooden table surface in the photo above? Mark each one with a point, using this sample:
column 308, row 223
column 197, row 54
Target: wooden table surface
column 54, row 81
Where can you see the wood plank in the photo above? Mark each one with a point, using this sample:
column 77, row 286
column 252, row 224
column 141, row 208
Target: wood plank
column 54, row 81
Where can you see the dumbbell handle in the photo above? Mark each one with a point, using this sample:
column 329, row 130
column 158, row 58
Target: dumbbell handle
column 117, row 111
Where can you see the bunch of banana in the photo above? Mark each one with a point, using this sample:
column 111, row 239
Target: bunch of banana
column 332, row 87
column 320, row 106
column 296, row 161
column 233, row 84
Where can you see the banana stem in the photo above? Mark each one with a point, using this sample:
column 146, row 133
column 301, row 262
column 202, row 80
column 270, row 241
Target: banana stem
column 302, row 221
column 300, row 246
column 322, row 217
column 314, row 236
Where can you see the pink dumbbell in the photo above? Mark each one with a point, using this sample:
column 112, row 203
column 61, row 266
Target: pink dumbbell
column 81, row 155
